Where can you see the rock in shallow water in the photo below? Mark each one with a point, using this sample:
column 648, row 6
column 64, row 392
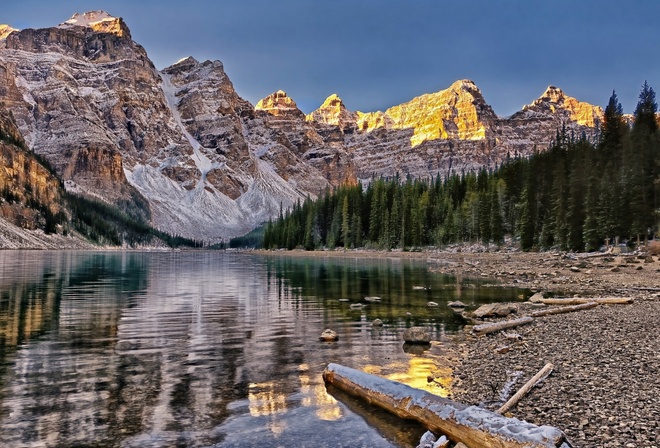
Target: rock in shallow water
column 456, row 304
column 328, row 336
column 495, row 309
column 417, row 335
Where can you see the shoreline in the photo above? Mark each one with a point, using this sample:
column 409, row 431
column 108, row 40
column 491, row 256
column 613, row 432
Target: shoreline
column 604, row 390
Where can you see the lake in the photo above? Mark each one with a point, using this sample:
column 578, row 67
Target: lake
column 204, row 348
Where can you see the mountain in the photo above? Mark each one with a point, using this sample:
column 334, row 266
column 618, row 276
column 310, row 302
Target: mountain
column 181, row 149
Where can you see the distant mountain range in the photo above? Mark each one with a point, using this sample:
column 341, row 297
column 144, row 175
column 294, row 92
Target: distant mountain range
column 180, row 148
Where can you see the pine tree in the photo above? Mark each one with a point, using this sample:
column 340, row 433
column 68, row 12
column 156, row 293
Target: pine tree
column 496, row 221
column 345, row 224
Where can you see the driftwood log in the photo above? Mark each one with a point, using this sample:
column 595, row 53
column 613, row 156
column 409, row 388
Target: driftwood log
column 564, row 309
column 543, row 373
column 471, row 425
column 581, row 300
column 497, row 326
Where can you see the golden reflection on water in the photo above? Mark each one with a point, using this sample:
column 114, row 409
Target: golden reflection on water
column 265, row 399
column 316, row 395
column 416, row 373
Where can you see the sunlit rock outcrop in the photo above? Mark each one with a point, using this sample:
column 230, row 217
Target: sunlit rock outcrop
column 459, row 112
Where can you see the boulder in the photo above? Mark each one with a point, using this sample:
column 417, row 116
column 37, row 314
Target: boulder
column 328, row 336
column 417, row 335
column 495, row 310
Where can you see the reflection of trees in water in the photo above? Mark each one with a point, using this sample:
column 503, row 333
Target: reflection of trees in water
column 60, row 294
column 405, row 286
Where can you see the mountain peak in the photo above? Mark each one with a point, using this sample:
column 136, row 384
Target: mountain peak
column 99, row 21
column 6, row 30
column 464, row 84
column 279, row 103
column 333, row 112
column 89, row 18
column 553, row 94
column 554, row 101
column 332, row 100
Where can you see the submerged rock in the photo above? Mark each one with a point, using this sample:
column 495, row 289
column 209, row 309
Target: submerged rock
column 431, row 304
column 457, row 304
column 377, row 323
column 417, row 335
column 328, row 336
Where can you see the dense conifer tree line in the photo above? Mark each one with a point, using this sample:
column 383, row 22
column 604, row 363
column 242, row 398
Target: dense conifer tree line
column 572, row 196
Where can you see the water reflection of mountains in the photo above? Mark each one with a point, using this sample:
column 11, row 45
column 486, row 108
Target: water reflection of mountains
column 200, row 348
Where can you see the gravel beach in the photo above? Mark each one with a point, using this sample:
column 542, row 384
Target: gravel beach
column 605, row 387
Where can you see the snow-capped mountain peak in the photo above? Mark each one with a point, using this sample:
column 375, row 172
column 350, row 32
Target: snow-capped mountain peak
column 88, row 18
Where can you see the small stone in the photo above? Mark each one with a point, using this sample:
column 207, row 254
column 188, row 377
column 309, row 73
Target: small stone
column 356, row 305
column 639, row 268
column 372, row 299
column 536, row 298
column 431, row 304
column 615, row 269
column 574, row 269
column 328, row 336
column 427, row 440
column 377, row 323
column 503, row 349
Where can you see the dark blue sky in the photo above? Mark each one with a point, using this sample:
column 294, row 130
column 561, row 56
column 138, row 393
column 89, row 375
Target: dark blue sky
column 378, row 53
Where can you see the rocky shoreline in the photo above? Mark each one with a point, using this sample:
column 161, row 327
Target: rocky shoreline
column 605, row 388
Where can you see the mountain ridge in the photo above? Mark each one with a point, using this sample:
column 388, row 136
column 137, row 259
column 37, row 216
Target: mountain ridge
column 181, row 148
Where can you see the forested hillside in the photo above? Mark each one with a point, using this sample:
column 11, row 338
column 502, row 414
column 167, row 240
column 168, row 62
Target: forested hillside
column 571, row 196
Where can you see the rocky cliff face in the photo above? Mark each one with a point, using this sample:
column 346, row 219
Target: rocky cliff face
column 181, row 148
column 167, row 146
column 28, row 191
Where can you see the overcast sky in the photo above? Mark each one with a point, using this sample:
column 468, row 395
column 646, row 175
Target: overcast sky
column 378, row 53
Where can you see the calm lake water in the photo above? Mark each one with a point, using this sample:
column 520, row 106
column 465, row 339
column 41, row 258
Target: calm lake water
column 196, row 349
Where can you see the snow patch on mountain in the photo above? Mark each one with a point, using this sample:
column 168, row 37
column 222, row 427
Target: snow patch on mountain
column 87, row 19
column 203, row 163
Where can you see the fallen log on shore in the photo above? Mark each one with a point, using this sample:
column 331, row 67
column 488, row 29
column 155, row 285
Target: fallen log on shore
column 529, row 385
column 564, row 309
column 497, row 326
column 471, row 425
column 581, row 300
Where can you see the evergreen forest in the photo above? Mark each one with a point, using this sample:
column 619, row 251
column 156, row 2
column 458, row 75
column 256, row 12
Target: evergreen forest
column 573, row 196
